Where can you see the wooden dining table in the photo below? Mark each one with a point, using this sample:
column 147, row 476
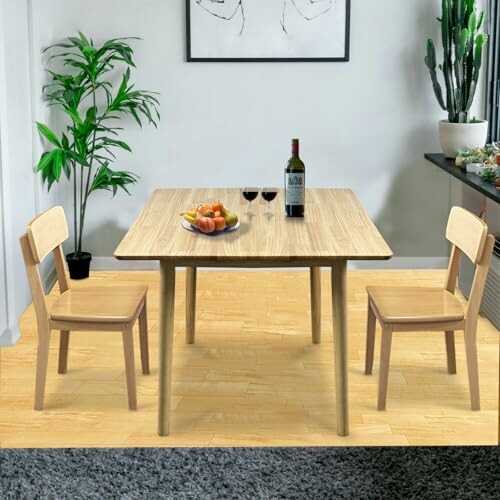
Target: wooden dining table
column 334, row 230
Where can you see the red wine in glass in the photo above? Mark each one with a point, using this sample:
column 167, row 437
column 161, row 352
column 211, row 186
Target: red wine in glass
column 250, row 193
column 269, row 194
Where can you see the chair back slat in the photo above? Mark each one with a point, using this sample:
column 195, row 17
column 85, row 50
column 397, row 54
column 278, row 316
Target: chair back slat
column 61, row 269
column 35, row 282
column 46, row 232
column 479, row 281
column 467, row 232
column 452, row 275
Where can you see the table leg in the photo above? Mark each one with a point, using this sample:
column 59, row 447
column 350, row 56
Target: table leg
column 167, row 301
column 340, row 345
column 315, row 274
column 190, row 304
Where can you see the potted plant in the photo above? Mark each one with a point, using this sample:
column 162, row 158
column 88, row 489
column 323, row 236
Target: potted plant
column 93, row 106
column 463, row 44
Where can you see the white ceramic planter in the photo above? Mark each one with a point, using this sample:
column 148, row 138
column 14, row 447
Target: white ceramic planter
column 456, row 136
column 472, row 168
column 480, row 168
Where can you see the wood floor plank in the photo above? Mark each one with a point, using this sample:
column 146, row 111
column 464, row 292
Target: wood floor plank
column 253, row 377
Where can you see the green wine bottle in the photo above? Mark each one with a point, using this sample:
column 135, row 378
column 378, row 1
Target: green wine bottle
column 295, row 188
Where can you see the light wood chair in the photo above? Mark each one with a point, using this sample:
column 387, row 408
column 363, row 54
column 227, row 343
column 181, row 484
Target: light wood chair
column 109, row 308
column 407, row 309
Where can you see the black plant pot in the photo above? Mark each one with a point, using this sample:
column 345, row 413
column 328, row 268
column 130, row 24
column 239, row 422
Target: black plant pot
column 79, row 265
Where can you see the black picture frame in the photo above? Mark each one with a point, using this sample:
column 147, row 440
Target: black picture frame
column 345, row 58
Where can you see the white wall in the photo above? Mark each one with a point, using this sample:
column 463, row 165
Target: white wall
column 363, row 124
column 20, row 191
column 17, row 185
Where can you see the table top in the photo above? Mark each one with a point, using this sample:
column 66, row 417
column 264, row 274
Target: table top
column 335, row 226
column 472, row 180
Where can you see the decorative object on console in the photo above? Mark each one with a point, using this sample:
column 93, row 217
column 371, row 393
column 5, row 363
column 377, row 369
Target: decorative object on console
column 480, row 161
column 463, row 43
column 488, row 173
column 289, row 30
column 83, row 152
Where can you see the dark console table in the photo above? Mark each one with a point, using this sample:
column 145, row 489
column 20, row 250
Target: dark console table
column 472, row 180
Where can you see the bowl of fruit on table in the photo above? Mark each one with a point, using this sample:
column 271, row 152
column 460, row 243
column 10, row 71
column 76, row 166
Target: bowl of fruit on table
column 210, row 219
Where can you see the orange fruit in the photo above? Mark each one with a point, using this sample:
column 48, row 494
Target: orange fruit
column 206, row 225
column 216, row 207
column 220, row 223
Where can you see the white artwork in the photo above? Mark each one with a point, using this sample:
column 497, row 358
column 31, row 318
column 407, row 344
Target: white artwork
column 250, row 30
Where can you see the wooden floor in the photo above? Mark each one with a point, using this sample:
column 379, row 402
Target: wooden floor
column 253, row 378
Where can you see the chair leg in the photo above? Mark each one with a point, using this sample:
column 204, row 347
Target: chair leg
column 143, row 338
column 63, row 352
column 450, row 352
column 315, row 290
column 190, row 304
column 370, row 339
column 42, row 360
column 128, row 350
column 385, row 356
column 472, row 368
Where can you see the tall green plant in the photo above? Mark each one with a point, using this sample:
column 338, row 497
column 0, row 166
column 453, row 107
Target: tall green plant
column 93, row 105
column 463, row 45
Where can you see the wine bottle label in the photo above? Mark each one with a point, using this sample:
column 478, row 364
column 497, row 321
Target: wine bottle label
column 294, row 189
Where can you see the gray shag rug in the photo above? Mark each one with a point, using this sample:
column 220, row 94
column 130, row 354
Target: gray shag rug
column 252, row 473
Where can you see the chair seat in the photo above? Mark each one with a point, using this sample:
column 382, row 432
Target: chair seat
column 415, row 304
column 104, row 304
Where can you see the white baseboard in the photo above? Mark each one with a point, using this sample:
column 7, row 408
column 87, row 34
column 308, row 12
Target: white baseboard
column 9, row 337
column 112, row 264
column 402, row 263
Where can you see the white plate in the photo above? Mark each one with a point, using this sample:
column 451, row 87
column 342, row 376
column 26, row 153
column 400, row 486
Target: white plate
column 189, row 227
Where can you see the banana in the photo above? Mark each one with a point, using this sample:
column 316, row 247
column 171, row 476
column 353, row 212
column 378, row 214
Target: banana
column 230, row 218
column 190, row 218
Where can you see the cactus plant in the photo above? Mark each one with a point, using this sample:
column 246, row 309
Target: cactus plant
column 463, row 44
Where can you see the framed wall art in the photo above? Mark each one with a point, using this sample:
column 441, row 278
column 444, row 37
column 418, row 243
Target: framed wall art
column 267, row 30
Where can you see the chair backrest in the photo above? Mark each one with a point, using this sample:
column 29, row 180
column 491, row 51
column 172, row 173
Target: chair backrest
column 467, row 232
column 469, row 235
column 45, row 234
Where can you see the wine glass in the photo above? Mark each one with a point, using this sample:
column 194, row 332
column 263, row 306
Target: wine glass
column 269, row 194
column 250, row 193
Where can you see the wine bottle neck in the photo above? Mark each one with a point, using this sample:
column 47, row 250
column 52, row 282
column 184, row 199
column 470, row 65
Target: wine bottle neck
column 295, row 149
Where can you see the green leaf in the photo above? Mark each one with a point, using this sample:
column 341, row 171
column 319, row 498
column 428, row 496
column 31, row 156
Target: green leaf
column 65, row 141
column 45, row 160
column 48, row 134
column 109, row 180
column 73, row 114
column 57, row 164
column 106, row 141
column 91, row 114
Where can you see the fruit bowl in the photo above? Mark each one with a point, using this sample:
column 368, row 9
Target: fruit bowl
column 210, row 219
column 189, row 227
